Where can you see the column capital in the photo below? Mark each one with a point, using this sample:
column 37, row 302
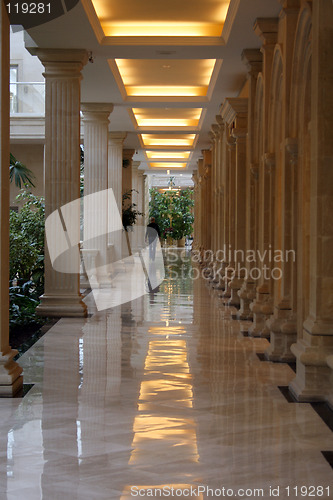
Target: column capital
column 96, row 110
column 117, row 137
column 220, row 123
column 234, row 108
column 252, row 58
column 266, row 29
column 215, row 130
column 61, row 62
column 136, row 165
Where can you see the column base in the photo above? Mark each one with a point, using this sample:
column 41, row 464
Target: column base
column 59, row 306
column 11, row 380
column 246, row 295
column 283, row 329
column 329, row 362
column 258, row 327
column 312, row 381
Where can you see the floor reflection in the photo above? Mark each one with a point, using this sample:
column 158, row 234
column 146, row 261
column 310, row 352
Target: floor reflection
column 160, row 392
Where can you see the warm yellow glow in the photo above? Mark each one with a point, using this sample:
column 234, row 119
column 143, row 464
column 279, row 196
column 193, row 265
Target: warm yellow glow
column 145, row 79
column 167, row 330
column 176, row 141
column 173, row 155
column 166, row 375
column 167, row 165
column 161, row 29
column 167, row 117
column 165, row 123
column 167, row 91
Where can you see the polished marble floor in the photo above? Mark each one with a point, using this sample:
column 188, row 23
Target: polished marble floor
column 162, row 392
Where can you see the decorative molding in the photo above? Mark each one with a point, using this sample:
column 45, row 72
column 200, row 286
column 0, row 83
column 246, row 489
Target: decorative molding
column 266, row 29
column 233, row 106
column 117, row 137
column 230, row 19
column 252, row 58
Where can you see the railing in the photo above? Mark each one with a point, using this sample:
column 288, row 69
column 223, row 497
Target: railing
column 27, row 98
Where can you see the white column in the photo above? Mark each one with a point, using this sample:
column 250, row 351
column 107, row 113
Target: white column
column 10, row 379
column 62, row 174
column 115, row 165
column 95, row 250
column 138, row 200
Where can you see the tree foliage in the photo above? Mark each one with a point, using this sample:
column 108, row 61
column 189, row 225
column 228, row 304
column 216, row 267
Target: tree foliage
column 173, row 212
column 20, row 173
column 26, row 240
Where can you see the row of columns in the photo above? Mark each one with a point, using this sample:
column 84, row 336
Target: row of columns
column 103, row 152
column 263, row 231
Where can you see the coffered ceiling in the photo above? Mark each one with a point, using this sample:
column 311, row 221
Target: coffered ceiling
column 166, row 66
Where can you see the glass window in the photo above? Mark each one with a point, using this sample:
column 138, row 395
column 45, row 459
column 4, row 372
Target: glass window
column 13, row 88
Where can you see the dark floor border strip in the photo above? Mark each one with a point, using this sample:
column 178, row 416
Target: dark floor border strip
column 328, row 455
column 24, row 391
column 322, row 409
column 261, row 356
column 325, row 413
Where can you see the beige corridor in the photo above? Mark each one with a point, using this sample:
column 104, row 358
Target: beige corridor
column 160, row 392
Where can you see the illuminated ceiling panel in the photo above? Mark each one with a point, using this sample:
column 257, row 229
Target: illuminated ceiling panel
column 169, row 141
column 170, row 80
column 130, row 20
column 162, row 118
column 168, row 155
column 166, row 165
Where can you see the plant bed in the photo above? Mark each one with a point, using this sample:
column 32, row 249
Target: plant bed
column 24, row 337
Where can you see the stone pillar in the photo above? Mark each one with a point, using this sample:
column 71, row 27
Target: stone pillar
column 115, row 167
column 196, row 212
column 10, row 372
column 283, row 322
column 253, row 60
column 146, row 198
column 62, row 173
column 223, row 203
column 138, row 200
column 213, row 201
column 200, row 225
column 127, row 173
column 238, row 131
column 314, row 348
column 266, row 29
column 96, row 125
column 207, row 205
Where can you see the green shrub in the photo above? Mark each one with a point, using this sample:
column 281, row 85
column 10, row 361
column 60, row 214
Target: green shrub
column 26, row 240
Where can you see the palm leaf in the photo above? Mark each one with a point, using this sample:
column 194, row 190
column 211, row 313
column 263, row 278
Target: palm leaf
column 20, row 173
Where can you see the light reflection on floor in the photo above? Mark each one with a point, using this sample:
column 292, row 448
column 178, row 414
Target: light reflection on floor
column 160, row 392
